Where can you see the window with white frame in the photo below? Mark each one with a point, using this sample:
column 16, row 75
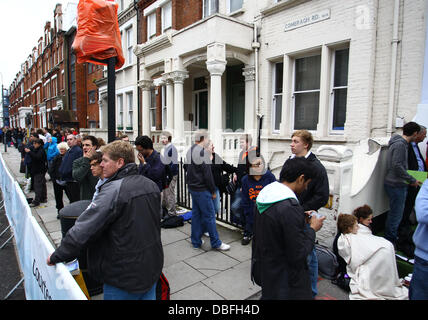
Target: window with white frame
column 235, row 5
column 277, row 78
column 151, row 25
column 167, row 16
column 210, row 7
column 339, row 92
column 130, row 101
column 153, row 108
column 306, row 92
column 129, row 44
column 120, row 110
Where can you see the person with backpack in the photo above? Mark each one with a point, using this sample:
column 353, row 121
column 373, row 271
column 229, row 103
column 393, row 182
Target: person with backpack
column 281, row 241
column 38, row 172
column 169, row 157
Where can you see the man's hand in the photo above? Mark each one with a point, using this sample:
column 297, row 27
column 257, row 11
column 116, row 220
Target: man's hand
column 89, row 153
column 214, row 195
column 235, row 177
column 417, row 183
column 48, row 261
column 316, row 223
column 27, row 150
column 141, row 158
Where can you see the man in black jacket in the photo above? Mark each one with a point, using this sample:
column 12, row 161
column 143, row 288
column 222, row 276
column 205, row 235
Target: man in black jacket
column 121, row 230
column 38, row 171
column 415, row 162
column 72, row 188
column 317, row 193
column 282, row 242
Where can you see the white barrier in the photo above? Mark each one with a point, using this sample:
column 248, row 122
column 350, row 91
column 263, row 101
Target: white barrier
column 42, row 282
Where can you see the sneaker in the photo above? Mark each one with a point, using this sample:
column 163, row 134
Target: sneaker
column 206, row 234
column 32, row 204
column 246, row 240
column 223, row 247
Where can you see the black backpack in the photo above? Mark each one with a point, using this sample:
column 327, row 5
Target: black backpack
column 328, row 267
column 172, row 222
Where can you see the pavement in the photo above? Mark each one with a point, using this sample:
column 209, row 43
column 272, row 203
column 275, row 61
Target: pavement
column 193, row 274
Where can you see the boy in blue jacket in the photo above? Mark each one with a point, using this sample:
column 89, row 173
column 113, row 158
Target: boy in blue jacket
column 257, row 178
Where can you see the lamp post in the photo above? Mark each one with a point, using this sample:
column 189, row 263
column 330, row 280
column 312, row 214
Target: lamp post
column 2, row 104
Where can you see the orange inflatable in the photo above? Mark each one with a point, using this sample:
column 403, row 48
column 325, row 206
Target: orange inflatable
column 98, row 36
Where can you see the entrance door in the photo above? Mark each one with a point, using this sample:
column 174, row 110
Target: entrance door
column 201, row 109
column 235, row 96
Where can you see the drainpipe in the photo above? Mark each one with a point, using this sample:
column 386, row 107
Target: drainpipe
column 256, row 45
column 395, row 42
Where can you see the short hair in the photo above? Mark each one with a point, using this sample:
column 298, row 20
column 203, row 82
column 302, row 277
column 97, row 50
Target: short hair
column 35, row 135
column 63, row 145
column 39, row 141
column 306, row 136
column 39, row 131
column 345, row 222
column 144, row 141
column 294, row 168
column 97, row 156
column 167, row 134
column 119, row 149
column 101, row 142
column 362, row 212
column 93, row 140
column 201, row 135
column 410, row 128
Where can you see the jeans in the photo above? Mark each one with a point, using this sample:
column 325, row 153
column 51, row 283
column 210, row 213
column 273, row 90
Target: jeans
column 113, row 293
column 216, row 201
column 235, row 207
column 419, row 283
column 397, row 200
column 203, row 218
column 312, row 261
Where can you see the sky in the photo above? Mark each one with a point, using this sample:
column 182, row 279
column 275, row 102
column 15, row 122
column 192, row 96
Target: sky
column 22, row 23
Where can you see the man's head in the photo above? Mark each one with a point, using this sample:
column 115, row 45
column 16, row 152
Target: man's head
column 256, row 166
column 89, row 145
column 116, row 155
column 411, row 130
column 37, row 143
column 34, row 136
column 201, row 138
column 71, row 140
column 144, row 145
column 296, row 174
column 165, row 137
column 95, row 162
column 124, row 138
column 422, row 134
column 301, row 142
column 245, row 141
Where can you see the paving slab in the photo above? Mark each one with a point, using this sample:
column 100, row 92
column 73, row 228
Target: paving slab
column 179, row 251
column 211, row 262
column 180, row 275
column 198, row 291
column 172, row 235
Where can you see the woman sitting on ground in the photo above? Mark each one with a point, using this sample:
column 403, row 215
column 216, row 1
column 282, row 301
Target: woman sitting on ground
column 370, row 262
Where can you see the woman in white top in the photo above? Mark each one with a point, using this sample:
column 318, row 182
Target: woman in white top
column 370, row 262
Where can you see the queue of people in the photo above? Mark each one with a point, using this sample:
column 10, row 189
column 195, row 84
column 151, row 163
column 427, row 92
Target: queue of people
column 279, row 217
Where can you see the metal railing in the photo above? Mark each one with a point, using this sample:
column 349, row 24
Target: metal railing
column 184, row 200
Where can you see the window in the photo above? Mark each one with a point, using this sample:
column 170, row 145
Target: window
column 340, row 88
column 210, row 7
column 153, row 109
column 92, row 96
column 277, row 96
column 129, row 98
column 167, row 16
column 91, row 68
column 129, row 44
column 306, row 92
column 120, row 109
column 151, row 25
column 235, row 5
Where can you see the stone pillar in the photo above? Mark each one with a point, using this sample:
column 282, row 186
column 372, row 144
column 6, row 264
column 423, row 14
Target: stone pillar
column 146, row 86
column 216, row 65
column 178, row 77
column 250, row 112
column 166, row 77
column 325, row 93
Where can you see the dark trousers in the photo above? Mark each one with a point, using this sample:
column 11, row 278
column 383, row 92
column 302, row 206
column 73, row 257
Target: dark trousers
column 72, row 190
column 404, row 230
column 40, row 188
column 59, row 193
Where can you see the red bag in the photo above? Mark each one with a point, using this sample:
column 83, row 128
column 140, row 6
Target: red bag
column 98, row 36
column 162, row 288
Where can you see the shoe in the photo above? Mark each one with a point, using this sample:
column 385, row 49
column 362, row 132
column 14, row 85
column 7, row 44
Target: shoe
column 206, row 234
column 32, row 204
column 223, row 247
column 246, row 240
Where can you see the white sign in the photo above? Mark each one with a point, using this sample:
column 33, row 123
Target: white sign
column 307, row 20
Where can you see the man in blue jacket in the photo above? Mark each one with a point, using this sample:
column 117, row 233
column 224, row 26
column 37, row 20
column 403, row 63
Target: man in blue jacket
column 72, row 188
column 419, row 282
column 151, row 165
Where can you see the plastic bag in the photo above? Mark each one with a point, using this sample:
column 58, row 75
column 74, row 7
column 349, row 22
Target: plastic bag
column 98, row 36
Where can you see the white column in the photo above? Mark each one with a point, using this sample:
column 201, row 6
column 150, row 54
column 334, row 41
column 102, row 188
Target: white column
column 250, row 113
column 146, row 86
column 325, row 92
column 215, row 126
column 178, row 78
column 166, row 77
